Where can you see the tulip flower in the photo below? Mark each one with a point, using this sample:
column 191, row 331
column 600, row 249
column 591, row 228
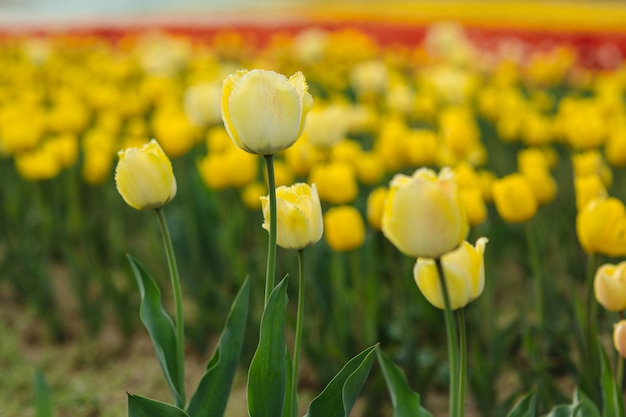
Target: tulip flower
column 336, row 181
column 588, row 188
column 464, row 273
column 601, row 227
column 376, row 207
column 144, row 177
column 345, row 229
column 423, row 214
column 609, row 286
column 514, row 198
column 619, row 337
column 299, row 216
column 263, row 111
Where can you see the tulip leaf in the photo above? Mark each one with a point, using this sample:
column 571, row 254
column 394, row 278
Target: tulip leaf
column 159, row 326
column 526, row 407
column 43, row 399
column 612, row 398
column 405, row 401
column 588, row 407
column 145, row 407
column 566, row 410
column 267, row 375
column 340, row 394
column 212, row 394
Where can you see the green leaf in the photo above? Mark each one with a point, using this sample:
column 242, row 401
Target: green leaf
column 405, row 401
column 267, row 375
column 526, row 407
column 340, row 394
column 145, row 407
column 566, row 410
column 159, row 326
column 212, row 394
column 43, row 399
column 612, row 398
column 588, row 408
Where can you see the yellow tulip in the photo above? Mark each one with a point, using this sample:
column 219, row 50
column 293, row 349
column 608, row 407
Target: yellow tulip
column 601, row 227
column 514, row 198
column 336, row 181
column 464, row 273
column 609, row 286
column 542, row 184
column 588, row 188
column 376, row 207
column 144, row 177
column 326, row 126
column 370, row 168
column 251, row 194
column 299, row 221
column 592, row 163
column 615, row 148
column 473, row 204
column 263, row 111
column 344, row 227
column 619, row 337
column 423, row 214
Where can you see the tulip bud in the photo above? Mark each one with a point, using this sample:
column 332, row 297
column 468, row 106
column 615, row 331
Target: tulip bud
column 609, row 286
column 376, row 207
column 144, row 177
column 299, row 220
column 423, row 214
column 619, row 337
column 263, row 111
column 345, row 229
column 464, row 274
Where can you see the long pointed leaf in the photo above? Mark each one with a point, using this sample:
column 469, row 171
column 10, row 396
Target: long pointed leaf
column 211, row 396
column 145, row 407
column 566, row 410
column 340, row 394
column 159, row 326
column 526, row 407
column 267, row 375
column 405, row 401
column 613, row 402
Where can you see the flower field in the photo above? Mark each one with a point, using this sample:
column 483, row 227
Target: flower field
column 442, row 189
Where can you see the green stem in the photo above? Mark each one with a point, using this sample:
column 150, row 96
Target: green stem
column 619, row 372
column 456, row 401
column 178, row 304
column 271, row 249
column 298, row 336
column 460, row 318
column 538, row 284
column 358, row 297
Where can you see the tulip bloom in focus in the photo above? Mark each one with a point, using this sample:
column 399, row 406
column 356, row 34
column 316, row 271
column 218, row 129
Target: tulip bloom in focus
column 423, row 214
column 464, row 273
column 601, row 227
column 299, row 216
column 609, row 286
column 144, row 177
column 514, row 198
column 345, row 229
column 263, row 111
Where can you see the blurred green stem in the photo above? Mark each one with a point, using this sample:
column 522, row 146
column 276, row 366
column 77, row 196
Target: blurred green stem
column 271, row 249
column 298, row 336
column 538, row 285
column 456, row 400
column 178, row 303
column 460, row 317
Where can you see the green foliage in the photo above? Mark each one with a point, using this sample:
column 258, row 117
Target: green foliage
column 340, row 394
column 160, row 327
column 43, row 398
column 267, row 375
column 145, row 407
column 406, row 402
column 211, row 396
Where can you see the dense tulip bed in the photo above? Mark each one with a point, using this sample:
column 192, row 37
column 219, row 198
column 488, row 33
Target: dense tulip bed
column 394, row 164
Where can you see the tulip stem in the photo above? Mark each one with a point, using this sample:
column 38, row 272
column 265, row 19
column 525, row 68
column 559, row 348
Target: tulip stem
column 271, row 249
column 456, row 399
column 178, row 304
column 460, row 317
column 298, row 336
